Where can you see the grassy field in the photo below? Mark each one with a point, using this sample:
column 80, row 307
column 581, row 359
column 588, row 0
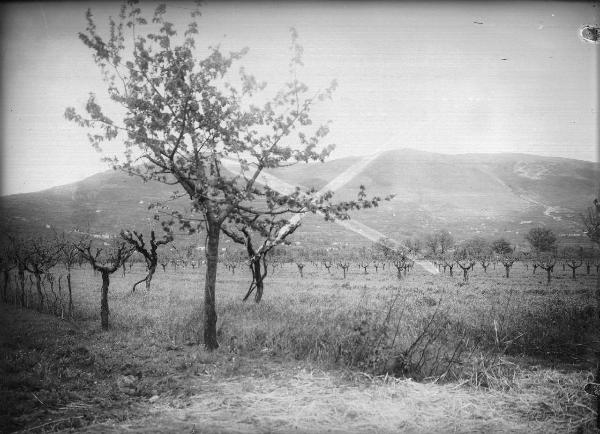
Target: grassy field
column 369, row 353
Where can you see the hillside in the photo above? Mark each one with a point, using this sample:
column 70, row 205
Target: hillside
column 105, row 202
column 485, row 194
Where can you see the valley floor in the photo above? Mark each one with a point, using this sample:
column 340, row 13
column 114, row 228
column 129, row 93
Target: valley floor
column 58, row 376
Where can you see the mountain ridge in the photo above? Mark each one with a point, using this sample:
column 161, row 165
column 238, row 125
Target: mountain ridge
column 354, row 157
column 472, row 193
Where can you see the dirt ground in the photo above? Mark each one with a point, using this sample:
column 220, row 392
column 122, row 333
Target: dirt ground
column 59, row 377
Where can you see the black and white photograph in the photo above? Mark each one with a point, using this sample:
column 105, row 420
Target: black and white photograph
column 300, row 217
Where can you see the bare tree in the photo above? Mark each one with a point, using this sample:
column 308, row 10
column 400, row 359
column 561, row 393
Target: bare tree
column 465, row 258
column 343, row 262
column 448, row 263
column 507, row 261
column 258, row 267
column 364, row 264
column 268, row 232
column 136, row 241
column 588, row 256
column 257, row 258
column 20, row 253
column 163, row 260
column 573, row 259
column 7, row 264
column 300, row 265
column 105, row 260
column 546, row 261
column 43, row 255
column 485, row 261
column 69, row 255
column 397, row 256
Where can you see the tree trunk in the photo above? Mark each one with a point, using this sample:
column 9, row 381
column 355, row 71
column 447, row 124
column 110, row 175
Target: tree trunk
column 574, row 268
column 466, row 274
column 399, row 273
column 12, row 293
column 257, row 280
column 38, row 287
column 210, row 312
column 148, row 279
column 507, row 271
column 5, row 286
column 151, row 271
column 259, row 284
column 104, row 299
column 451, row 271
column 549, row 272
column 70, row 293
column 60, row 298
column 21, row 274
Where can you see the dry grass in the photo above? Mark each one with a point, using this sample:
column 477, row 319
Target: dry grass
column 522, row 362
column 315, row 401
column 490, row 308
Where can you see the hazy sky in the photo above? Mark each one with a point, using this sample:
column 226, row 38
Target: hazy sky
column 419, row 75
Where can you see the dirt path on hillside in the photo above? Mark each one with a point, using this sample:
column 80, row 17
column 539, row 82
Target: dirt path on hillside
column 233, row 394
